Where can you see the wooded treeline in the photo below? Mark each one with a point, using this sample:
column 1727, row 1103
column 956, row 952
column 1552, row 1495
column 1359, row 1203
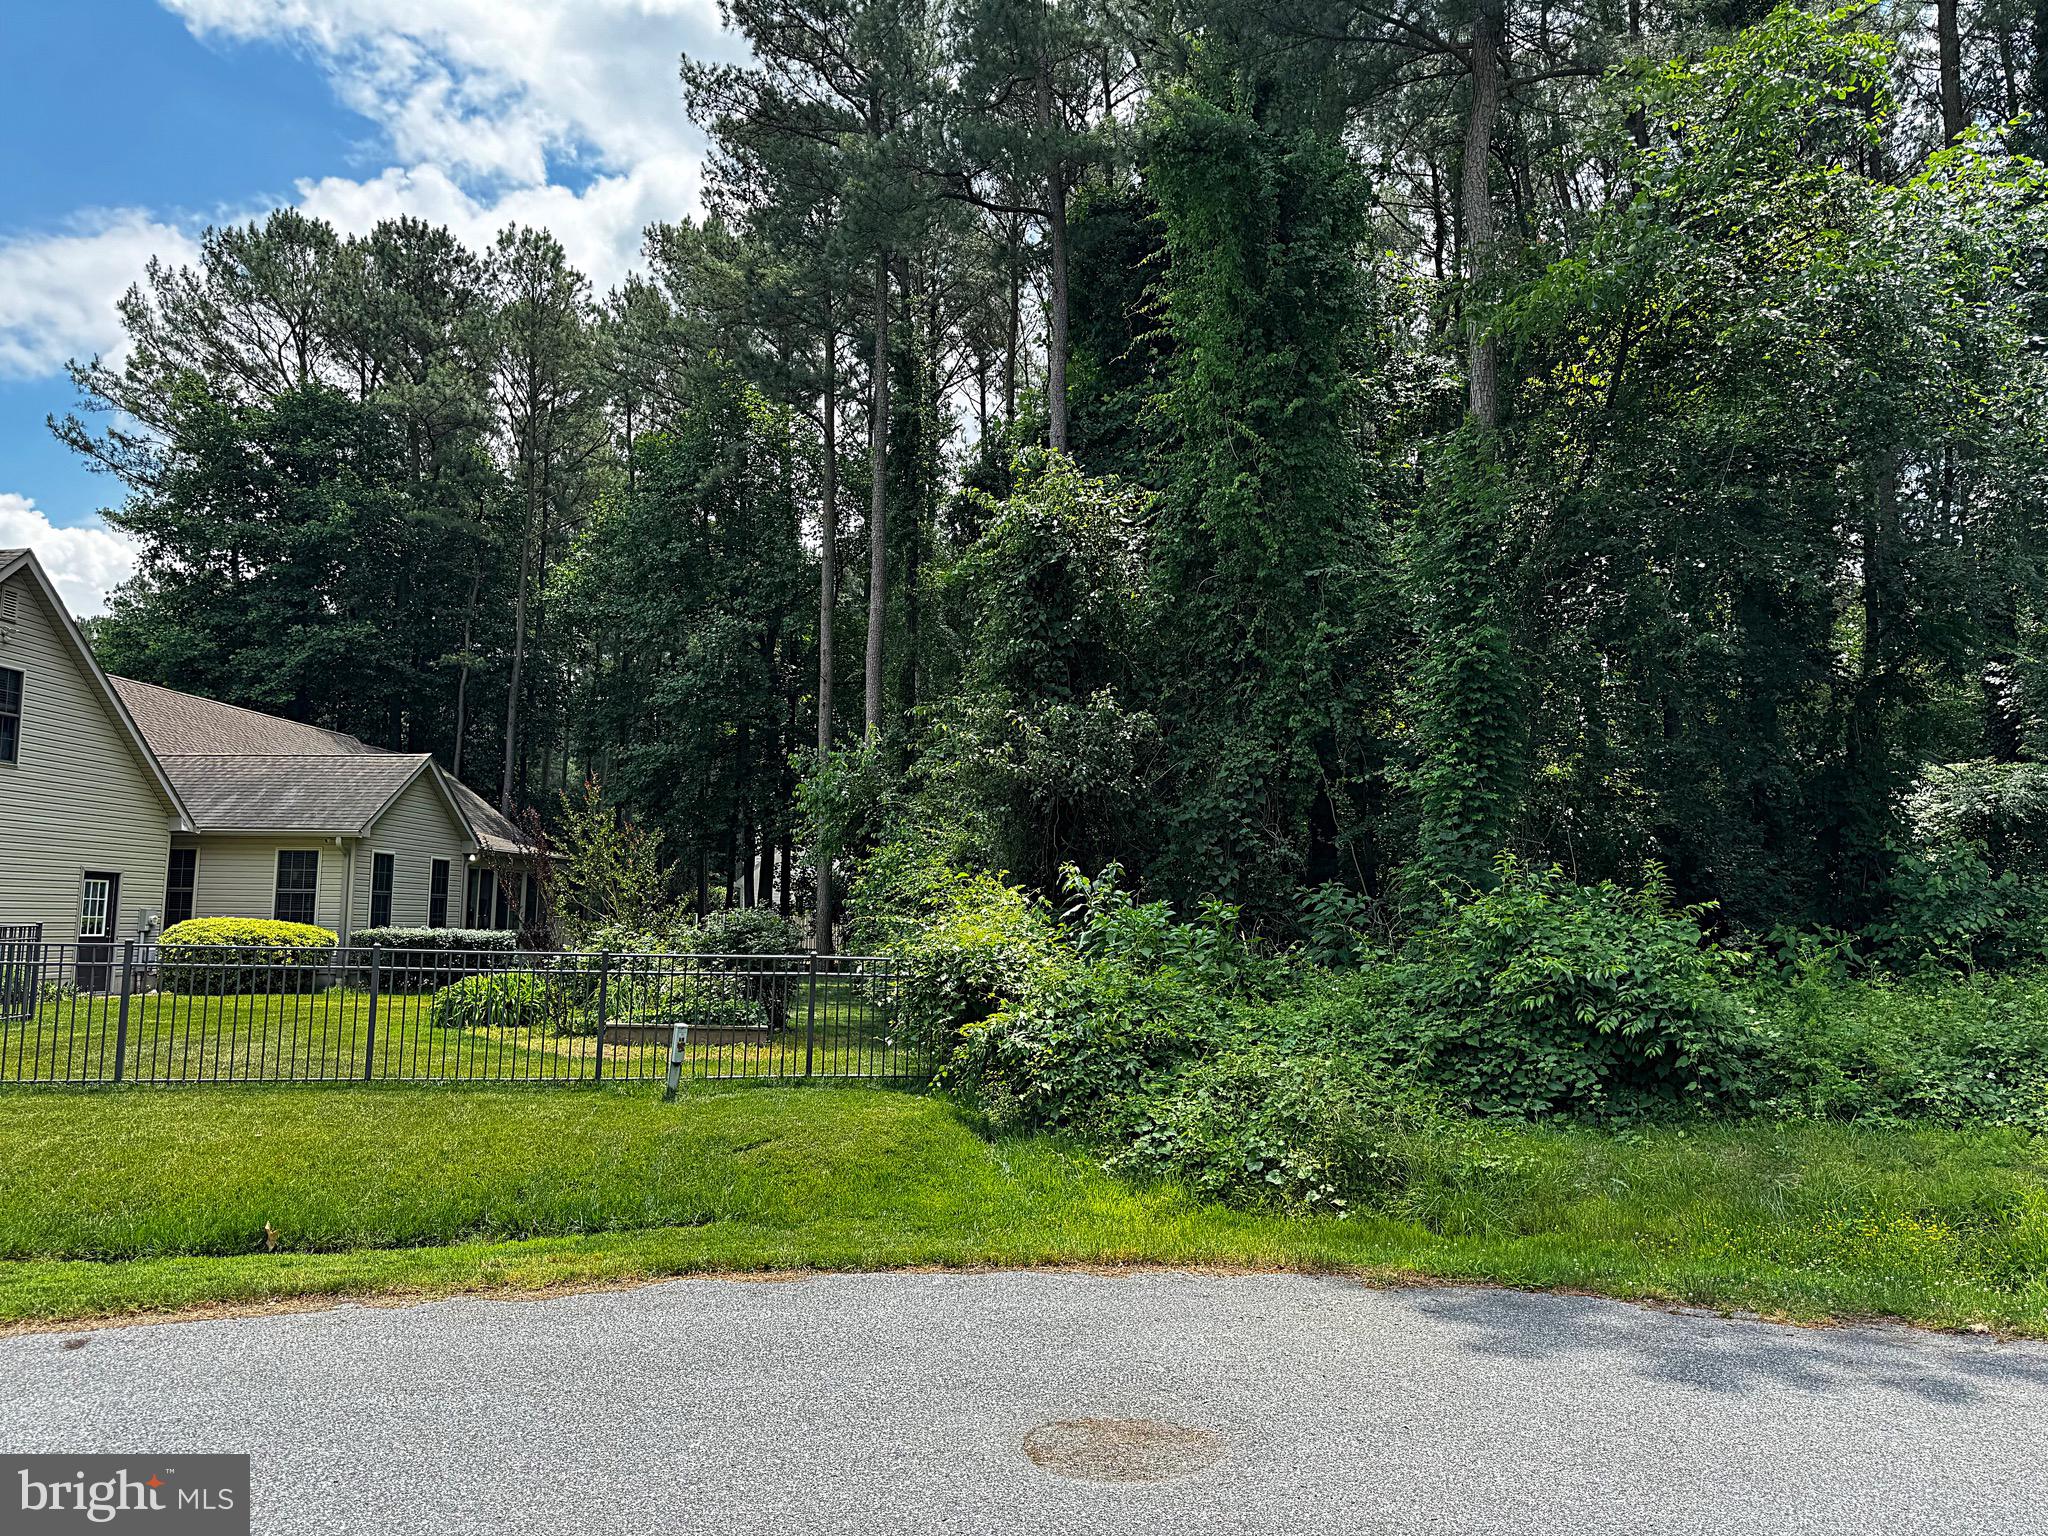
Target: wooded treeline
column 1277, row 448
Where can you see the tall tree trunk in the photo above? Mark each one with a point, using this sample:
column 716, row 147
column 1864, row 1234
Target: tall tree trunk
column 828, row 536
column 518, row 655
column 878, row 498
column 828, row 603
column 785, row 887
column 1056, row 238
column 748, row 859
column 1638, row 120
column 1012, row 338
column 476, row 577
column 1948, row 28
column 1489, row 28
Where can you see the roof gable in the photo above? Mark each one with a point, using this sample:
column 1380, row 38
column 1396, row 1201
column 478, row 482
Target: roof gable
column 332, row 794
column 23, row 562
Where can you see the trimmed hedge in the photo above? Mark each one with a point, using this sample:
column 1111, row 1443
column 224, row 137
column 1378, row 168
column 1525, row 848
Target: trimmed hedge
column 437, row 939
column 241, row 954
column 413, row 957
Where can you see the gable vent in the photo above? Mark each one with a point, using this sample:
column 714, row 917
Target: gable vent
column 10, row 605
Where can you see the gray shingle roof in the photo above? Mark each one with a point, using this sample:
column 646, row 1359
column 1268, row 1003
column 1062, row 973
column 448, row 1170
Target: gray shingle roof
column 495, row 832
column 174, row 722
column 334, row 793
column 239, row 770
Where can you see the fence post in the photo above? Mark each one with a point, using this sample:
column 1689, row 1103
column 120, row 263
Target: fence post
column 370, row 1036
column 604, row 976
column 810, row 1011
column 677, row 1040
column 127, row 988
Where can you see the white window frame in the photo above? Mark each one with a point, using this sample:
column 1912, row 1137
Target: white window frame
column 108, row 916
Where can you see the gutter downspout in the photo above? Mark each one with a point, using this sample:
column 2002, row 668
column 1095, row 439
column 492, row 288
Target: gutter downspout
column 348, row 888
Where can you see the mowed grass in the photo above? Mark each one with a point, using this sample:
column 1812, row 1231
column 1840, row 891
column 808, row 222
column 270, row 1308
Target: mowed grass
column 336, row 1035
column 133, row 1200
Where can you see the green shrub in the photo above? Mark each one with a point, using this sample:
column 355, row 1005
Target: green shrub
column 746, row 931
column 1970, row 888
column 505, row 1000
column 411, row 958
column 1545, row 997
column 1928, row 1048
column 701, row 1008
column 1081, row 1038
column 241, row 955
column 438, row 940
column 1264, row 1125
column 981, row 942
column 1103, row 922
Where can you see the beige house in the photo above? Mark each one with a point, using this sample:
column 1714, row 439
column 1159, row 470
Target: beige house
column 125, row 807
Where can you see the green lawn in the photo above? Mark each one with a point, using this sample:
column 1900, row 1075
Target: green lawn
column 328, row 1036
column 137, row 1199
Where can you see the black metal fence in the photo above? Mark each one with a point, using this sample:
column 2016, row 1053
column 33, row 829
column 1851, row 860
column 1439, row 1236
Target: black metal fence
column 148, row 1013
column 20, row 947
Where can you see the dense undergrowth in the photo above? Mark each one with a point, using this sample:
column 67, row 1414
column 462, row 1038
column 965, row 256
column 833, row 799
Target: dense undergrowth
column 1337, row 1074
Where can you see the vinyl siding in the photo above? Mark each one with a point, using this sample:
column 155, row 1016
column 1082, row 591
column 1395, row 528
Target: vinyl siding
column 237, row 876
column 416, row 829
column 80, row 797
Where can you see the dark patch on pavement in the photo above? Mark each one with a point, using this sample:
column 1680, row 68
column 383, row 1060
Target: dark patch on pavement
column 1122, row 1450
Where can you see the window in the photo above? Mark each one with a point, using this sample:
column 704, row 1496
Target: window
column 181, row 885
column 474, row 905
column 96, row 908
column 437, row 895
column 530, row 917
column 298, row 885
column 383, row 873
column 10, row 715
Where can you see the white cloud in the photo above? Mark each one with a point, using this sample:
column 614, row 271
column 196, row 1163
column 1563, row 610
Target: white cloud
column 84, row 563
column 58, row 291
column 494, row 88
column 479, row 98
column 599, row 227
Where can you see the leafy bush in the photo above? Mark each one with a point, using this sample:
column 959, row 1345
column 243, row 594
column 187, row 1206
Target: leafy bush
column 1971, row 886
column 661, row 933
column 746, row 931
column 504, row 1000
column 603, row 868
column 701, row 1008
column 438, row 940
column 1928, row 1048
column 1079, row 1039
column 410, row 960
column 241, row 954
column 979, row 943
column 1264, row 1125
column 1103, row 922
column 1543, row 997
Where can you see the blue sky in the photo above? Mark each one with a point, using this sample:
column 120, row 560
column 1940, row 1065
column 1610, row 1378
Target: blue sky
column 133, row 124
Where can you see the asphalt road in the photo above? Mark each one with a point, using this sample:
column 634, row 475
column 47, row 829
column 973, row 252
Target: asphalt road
column 915, row 1403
